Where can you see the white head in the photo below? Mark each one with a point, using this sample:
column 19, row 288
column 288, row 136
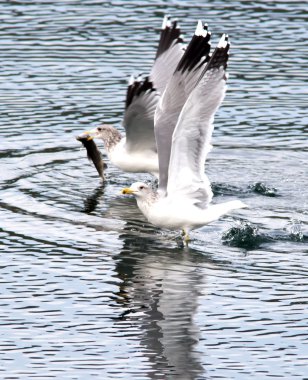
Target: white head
column 105, row 132
column 101, row 132
column 138, row 189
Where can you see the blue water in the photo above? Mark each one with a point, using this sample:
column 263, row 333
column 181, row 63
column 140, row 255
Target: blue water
column 90, row 290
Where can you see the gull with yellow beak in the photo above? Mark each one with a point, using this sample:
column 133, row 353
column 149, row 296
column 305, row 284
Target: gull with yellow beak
column 183, row 130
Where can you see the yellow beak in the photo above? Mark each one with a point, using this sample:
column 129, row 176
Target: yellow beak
column 89, row 137
column 127, row 190
column 85, row 136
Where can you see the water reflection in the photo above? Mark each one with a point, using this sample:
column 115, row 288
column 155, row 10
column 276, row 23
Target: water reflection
column 160, row 291
column 89, row 289
column 92, row 200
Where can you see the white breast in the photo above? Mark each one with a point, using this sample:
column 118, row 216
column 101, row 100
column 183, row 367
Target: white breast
column 142, row 162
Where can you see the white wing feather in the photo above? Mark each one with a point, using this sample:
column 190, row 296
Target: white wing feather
column 169, row 52
column 165, row 65
column 191, row 139
column 178, row 88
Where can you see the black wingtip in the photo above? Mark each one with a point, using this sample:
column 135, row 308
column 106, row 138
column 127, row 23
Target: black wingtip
column 197, row 51
column 220, row 56
column 137, row 87
column 170, row 34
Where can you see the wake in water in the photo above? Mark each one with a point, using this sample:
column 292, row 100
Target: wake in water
column 248, row 236
column 258, row 187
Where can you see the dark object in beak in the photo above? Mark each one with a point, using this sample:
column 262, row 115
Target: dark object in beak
column 93, row 153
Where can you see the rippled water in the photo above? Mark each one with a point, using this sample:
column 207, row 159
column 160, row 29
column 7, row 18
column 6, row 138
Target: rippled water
column 88, row 288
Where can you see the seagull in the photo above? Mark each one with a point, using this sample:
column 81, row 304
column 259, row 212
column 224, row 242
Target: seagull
column 183, row 129
column 137, row 151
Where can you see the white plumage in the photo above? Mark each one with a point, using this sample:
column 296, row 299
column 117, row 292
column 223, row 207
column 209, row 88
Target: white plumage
column 137, row 151
column 186, row 111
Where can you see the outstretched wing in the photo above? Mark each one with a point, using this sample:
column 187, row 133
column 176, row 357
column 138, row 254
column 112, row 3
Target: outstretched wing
column 142, row 95
column 192, row 134
column 177, row 91
column 169, row 52
column 141, row 101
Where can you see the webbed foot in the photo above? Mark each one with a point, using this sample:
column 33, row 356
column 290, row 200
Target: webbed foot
column 186, row 238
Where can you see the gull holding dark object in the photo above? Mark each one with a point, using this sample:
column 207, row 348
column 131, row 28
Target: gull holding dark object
column 137, row 152
column 93, row 153
column 184, row 194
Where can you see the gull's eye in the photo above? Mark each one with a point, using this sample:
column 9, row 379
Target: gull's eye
column 99, row 129
column 141, row 187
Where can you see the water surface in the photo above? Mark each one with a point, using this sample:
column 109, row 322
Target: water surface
column 88, row 288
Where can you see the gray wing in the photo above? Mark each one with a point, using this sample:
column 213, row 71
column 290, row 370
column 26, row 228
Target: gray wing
column 142, row 95
column 176, row 93
column 192, row 135
column 169, row 52
column 138, row 121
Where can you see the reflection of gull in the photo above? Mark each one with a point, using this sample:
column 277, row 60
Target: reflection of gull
column 184, row 191
column 161, row 294
column 136, row 152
